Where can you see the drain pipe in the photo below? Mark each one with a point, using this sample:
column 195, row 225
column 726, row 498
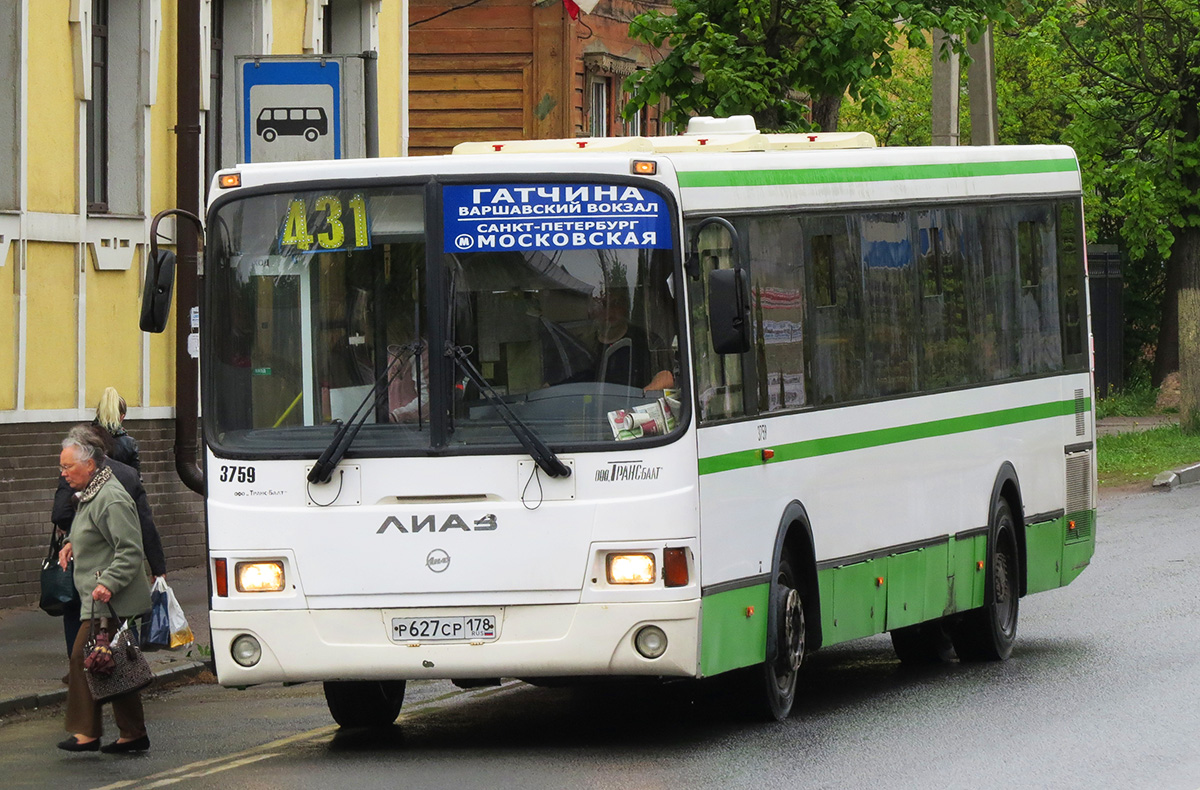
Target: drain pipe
column 187, row 198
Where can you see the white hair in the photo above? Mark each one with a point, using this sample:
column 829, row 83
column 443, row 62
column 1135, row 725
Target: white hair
column 83, row 450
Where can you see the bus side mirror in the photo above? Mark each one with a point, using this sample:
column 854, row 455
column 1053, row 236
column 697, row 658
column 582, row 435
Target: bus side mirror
column 156, row 292
column 729, row 310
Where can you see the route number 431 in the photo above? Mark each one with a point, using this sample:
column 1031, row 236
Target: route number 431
column 328, row 223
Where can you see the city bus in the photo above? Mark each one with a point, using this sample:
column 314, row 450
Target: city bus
column 667, row 407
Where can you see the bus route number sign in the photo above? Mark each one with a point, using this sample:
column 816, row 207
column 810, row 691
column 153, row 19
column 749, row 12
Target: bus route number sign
column 325, row 224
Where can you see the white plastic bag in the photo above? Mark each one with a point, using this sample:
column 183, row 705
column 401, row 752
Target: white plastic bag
column 181, row 632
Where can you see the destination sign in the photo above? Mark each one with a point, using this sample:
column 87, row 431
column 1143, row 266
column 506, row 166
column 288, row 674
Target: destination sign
column 489, row 217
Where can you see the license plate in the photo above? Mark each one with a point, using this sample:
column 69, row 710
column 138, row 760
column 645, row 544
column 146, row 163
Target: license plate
column 444, row 629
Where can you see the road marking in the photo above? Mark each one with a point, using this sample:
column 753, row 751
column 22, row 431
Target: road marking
column 215, row 765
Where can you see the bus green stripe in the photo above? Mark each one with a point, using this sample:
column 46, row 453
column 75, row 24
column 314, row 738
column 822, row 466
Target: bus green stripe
column 829, row 445
column 847, row 175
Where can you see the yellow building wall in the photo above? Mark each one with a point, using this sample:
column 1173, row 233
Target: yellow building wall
column 389, row 79
column 113, row 341
column 8, row 330
column 53, row 115
column 162, row 364
column 51, row 374
column 161, row 359
column 288, row 32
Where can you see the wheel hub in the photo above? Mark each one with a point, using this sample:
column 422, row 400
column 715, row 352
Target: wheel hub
column 792, row 648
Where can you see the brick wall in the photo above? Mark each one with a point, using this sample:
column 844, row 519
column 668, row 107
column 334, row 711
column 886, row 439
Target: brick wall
column 29, row 475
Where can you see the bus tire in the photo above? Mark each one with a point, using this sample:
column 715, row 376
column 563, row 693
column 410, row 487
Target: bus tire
column 778, row 676
column 311, row 134
column 988, row 633
column 268, row 135
column 364, row 703
column 922, row 644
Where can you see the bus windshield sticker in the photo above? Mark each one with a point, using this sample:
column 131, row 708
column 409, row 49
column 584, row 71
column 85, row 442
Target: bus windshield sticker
column 325, row 223
column 484, row 217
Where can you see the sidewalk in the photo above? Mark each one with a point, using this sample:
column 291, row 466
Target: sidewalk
column 33, row 653
column 1113, row 425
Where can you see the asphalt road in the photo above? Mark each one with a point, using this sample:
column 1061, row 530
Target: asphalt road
column 1103, row 690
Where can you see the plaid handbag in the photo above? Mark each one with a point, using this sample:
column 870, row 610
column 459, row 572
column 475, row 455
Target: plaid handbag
column 130, row 670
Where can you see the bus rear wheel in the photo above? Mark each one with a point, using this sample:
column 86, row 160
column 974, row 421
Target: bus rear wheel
column 988, row 633
column 364, row 703
column 778, row 676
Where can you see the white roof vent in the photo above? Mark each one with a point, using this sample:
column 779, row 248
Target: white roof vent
column 737, row 124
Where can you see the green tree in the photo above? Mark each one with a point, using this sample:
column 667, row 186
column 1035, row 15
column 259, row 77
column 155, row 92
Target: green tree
column 908, row 93
column 769, row 58
column 1137, row 130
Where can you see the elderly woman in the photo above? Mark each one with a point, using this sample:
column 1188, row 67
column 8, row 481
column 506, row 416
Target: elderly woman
column 106, row 544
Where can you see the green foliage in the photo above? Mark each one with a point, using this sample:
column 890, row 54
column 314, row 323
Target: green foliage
column 1136, row 399
column 1138, row 456
column 907, row 91
column 1135, row 125
column 766, row 58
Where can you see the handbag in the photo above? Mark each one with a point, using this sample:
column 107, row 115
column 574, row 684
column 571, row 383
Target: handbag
column 130, row 670
column 58, row 585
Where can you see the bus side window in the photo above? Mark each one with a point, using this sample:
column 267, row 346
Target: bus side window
column 719, row 380
column 1071, row 285
column 777, row 311
column 837, row 366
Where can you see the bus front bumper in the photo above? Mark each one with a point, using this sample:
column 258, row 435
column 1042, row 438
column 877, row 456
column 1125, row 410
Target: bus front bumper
column 532, row 641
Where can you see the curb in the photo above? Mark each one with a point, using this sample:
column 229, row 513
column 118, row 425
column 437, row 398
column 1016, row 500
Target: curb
column 1174, row 478
column 34, row 701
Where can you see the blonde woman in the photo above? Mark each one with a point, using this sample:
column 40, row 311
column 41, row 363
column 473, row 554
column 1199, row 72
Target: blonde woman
column 110, row 415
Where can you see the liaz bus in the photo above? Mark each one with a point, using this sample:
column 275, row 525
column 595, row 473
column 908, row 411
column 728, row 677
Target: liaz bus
column 671, row 407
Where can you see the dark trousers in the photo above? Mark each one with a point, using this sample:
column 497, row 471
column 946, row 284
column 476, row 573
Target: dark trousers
column 71, row 623
column 83, row 714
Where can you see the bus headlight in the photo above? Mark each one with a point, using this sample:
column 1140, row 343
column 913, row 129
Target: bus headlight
column 631, row 569
column 651, row 641
column 246, row 650
column 256, row 577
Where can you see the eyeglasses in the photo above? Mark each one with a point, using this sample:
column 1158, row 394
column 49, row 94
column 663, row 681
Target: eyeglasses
column 68, row 467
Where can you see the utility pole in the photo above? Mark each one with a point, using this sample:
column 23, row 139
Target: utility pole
column 981, row 90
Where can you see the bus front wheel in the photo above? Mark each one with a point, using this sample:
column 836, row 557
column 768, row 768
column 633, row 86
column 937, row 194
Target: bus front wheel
column 364, row 703
column 988, row 633
column 268, row 135
column 778, row 675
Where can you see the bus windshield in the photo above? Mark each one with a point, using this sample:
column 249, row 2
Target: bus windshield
column 322, row 301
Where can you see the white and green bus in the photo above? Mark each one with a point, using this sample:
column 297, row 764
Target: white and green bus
column 669, row 407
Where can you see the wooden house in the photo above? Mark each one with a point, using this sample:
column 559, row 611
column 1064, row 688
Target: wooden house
column 515, row 69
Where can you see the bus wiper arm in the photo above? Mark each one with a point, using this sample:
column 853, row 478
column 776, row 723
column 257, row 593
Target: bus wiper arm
column 542, row 455
column 323, row 469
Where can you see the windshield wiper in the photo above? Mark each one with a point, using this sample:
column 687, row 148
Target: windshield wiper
column 542, row 455
column 323, row 469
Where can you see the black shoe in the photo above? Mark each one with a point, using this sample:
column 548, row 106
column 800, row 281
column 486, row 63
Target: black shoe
column 72, row 745
column 136, row 745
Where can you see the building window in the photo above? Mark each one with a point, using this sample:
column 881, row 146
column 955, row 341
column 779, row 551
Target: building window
column 598, row 107
column 97, row 113
column 327, row 30
column 12, row 65
column 636, row 126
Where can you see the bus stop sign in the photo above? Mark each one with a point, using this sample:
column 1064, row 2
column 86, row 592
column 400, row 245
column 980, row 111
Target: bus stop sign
column 291, row 108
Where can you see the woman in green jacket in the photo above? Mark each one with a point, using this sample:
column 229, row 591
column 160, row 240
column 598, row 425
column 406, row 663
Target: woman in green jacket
column 106, row 544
